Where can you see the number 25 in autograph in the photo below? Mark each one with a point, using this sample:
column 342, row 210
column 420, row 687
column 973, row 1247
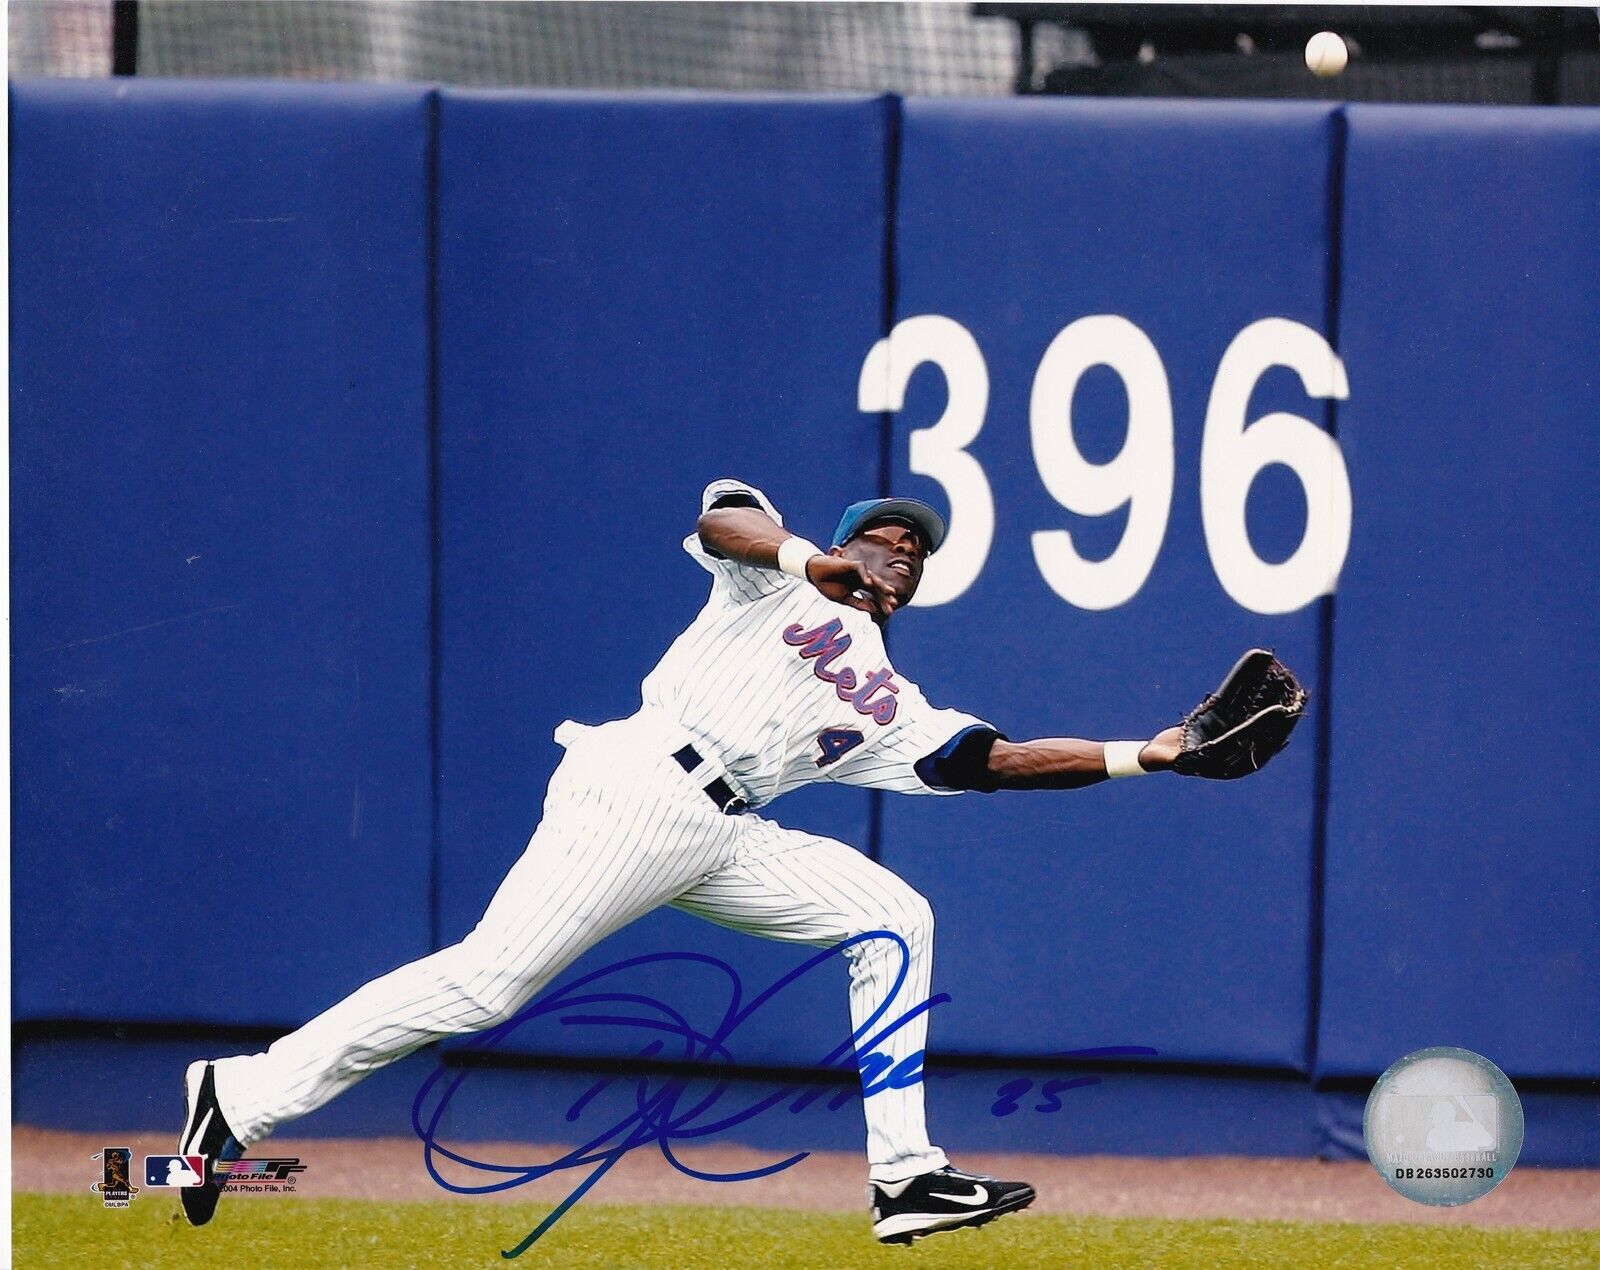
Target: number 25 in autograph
column 1232, row 452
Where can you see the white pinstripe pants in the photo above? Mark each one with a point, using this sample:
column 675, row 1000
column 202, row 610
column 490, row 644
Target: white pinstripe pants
column 624, row 831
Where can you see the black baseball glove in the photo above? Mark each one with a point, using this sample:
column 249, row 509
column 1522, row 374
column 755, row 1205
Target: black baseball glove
column 1235, row 730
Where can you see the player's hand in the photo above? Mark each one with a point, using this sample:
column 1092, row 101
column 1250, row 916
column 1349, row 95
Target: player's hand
column 848, row 582
column 1163, row 748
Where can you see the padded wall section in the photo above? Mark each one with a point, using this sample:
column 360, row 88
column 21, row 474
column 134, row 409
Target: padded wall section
column 220, row 547
column 637, row 295
column 1165, row 913
column 1462, row 853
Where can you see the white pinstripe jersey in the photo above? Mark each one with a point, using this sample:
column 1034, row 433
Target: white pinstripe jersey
column 786, row 687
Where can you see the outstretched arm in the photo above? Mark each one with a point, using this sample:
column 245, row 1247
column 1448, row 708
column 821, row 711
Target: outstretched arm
column 750, row 536
column 1070, row 763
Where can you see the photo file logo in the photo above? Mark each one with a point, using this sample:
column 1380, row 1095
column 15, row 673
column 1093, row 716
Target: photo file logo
column 262, row 1171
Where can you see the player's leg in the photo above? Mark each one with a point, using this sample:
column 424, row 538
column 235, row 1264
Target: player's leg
column 786, row 885
column 605, row 853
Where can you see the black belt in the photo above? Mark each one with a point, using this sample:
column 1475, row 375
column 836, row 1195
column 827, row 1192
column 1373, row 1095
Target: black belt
column 717, row 789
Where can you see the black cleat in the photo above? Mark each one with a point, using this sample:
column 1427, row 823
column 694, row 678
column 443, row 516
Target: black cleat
column 205, row 1133
column 946, row 1199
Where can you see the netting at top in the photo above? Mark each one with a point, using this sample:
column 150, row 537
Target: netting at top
column 59, row 37
column 927, row 48
column 1443, row 54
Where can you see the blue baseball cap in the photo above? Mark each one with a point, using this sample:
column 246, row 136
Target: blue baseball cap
column 871, row 511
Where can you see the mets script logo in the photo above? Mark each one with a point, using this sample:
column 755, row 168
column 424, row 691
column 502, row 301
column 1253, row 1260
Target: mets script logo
column 824, row 644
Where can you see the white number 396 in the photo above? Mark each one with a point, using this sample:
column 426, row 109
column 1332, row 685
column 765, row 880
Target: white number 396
column 1233, row 451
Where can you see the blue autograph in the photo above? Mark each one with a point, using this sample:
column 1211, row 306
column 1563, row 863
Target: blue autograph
column 665, row 1113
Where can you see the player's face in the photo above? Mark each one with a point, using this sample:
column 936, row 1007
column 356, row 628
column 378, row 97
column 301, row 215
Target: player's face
column 893, row 554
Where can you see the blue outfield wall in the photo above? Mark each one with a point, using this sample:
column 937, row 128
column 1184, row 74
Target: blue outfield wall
column 636, row 297
column 355, row 430
column 1172, row 914
column 1463, row 857
column 219, row 444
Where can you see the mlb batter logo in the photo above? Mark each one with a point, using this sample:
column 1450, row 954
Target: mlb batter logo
column 174, row 1170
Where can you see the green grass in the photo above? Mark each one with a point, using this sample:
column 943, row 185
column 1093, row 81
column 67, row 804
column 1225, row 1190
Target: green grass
column 69, row 1230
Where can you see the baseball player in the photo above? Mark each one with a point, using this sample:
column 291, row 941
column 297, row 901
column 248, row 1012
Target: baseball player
column 782, row 679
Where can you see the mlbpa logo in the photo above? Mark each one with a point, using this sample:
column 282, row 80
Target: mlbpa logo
column 114, row 1187
column 174, row 1170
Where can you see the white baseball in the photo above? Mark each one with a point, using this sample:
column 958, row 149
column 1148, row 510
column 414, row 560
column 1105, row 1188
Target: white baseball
column 1326, row 54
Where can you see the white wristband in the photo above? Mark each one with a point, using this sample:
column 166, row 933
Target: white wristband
column 1122, row 758
column 793, row 555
